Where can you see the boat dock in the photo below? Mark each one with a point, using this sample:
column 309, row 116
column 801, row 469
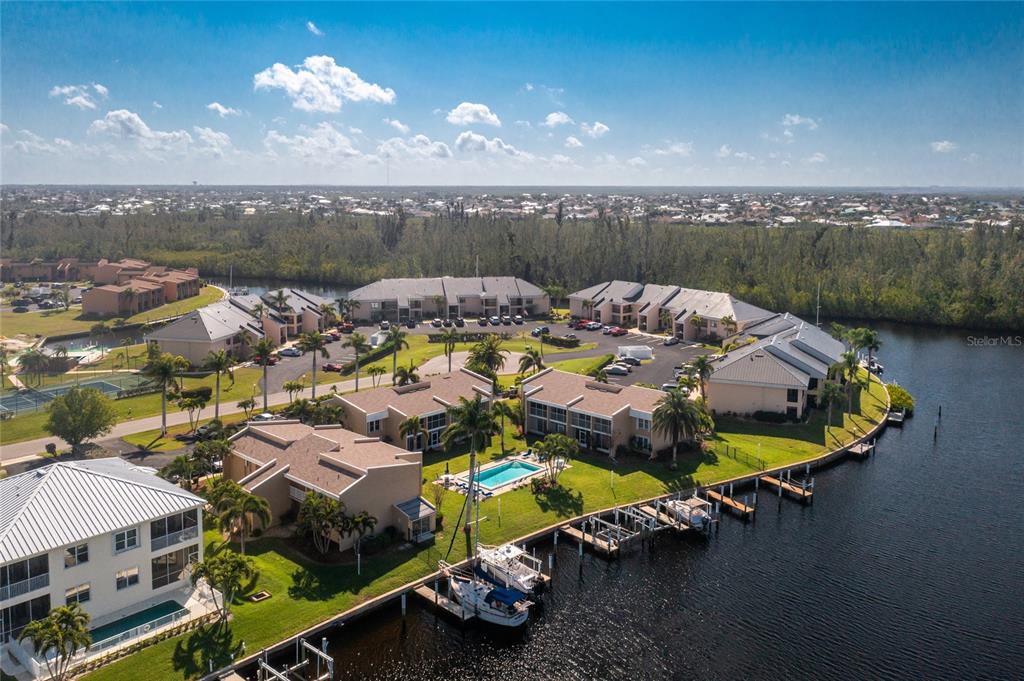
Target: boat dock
column 730, row 503
column 443, row 602
column 804, row 491
column 861, row 450
column 609, row 548
column 896, row 418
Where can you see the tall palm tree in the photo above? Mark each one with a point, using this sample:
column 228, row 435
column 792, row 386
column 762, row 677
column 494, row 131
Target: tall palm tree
column 838, row 331
column 439, row 305
column 848, row 367
column 259, row 311
column 503, row 411
column 375, row 372
column 241, row 512
column 830, row 394
column 219, row 362
column 489, row 353
column 329, row 314
column 729, row 324
column 412, row 427
column 163, row 371
column 181, row 467
column 315, row 344
column 64, row 631
column 357, row 342
column 279, row 299
column 531, row 359
column 449, row 337
column 871, row 342
column 262, row 352
column 472, row 420
column 5, row 364
column 398, row 341
column 679, row 417
column 361, row 523
column 406, row 375
column 344, row 307
column 697, row 322
column 588, row 306
column 125, row 344
column 702, row 369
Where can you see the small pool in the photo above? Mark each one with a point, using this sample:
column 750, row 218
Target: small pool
column 131, row 621
column 504, row 473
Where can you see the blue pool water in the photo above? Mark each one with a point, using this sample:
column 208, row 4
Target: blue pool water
column 505, row 473
column 128, row 623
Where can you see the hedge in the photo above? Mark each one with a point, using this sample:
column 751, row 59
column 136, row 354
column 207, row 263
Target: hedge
column 380, row 352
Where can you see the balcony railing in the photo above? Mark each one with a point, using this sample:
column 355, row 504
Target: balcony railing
column 174, row 538
column 24, row 586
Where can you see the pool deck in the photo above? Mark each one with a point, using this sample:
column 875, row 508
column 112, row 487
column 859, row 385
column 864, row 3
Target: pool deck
column 454, row 480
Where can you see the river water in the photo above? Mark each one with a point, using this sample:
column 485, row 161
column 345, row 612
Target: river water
column 909, row 565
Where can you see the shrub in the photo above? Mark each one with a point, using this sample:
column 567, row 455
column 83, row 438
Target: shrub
column 203, row 392
column 561, row 341
column 900, row 398
column 770, row 416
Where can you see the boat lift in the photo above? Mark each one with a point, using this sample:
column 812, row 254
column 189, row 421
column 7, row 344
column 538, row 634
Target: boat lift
column 311, row 664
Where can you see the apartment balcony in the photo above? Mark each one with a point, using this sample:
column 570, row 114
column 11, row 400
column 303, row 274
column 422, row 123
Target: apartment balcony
column 24, row 586
column 174, row 538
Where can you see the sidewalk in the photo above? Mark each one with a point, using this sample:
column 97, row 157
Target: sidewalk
column 27, row 450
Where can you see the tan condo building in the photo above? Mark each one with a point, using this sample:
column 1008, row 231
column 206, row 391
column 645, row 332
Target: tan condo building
column 398, row 300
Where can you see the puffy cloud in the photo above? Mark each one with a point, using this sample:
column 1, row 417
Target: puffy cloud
column 157, row 105
column 223, row 111
column 31, row 143
column 323, row 144
column 80, row 96
column 724, row 151
column 743, row 156
column 572, row 142
column 943, row 146
column 796, row 120
column 556, row 118
column 4, row 128
column 470, row 141
column 319, row 84
column 468, row 113
column 528, row 87
column 636, row 162
column 816, row 157
column 314, row 29
column 214, row 143
column 398, row 125
column 683, row 149
column 598, row 129
column 129, row 126
column 419, row 147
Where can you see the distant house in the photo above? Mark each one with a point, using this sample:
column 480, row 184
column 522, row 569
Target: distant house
column 130, row 286
column 448, row 298
column 780, row 370
column 105, row 534
column 282, row 461
column 220, row 326
column 599, row 416
column 380, row 412
column 655, row 307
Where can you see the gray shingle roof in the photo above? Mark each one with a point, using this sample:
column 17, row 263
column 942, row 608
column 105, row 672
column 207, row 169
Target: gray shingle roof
column 67, row 502
column 425, row 288
column 211, row 323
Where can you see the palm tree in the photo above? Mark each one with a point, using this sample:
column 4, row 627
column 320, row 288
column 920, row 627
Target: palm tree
column 329, row 314
column 5, row 364
column 219, row 362
column 469, row 419
column 226, row 572
column 871, row 342
column 279, row 299
column 488, row 353
column 375, row 373
column 729, row 324
column 262, row 352
column 34, row 363
column 555, row 293
column 361, row 523
column 396, row 337
column 702, row 369
column 126, row 343
column 440, row 301
column 357, row 342
column 344, row 307
column 406, row 375
column 503, row 411
column 259, row 311
column 679, row 417
column 193, row 405
column 241, row 512
column 838, row 331
column 248, row 405
column 449, row 337
column 531, row 359
column 697, row 322
column 588, row 306
column 314, row 343
column 412, row 427
column 181, row 467
column 830, row 394
column 63, row 631
column 292, row 387
column 162, row 371
column 848, row 367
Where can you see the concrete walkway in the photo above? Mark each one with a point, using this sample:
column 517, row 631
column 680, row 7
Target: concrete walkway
column 25, row 451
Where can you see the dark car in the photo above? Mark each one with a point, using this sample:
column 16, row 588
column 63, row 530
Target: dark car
column 347, row 327
column 460, row 322
column 21, row 308
column 447, row 323
column 482, row 321
column 506, row 320
column 410, row 324
column 540, row 331
column 631, row 361
column 331, row 366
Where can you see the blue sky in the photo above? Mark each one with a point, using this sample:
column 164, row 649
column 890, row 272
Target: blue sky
column 681, row 94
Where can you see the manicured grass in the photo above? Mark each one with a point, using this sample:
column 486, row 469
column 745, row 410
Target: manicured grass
column 151, row 440
column 581, row 365
column 59, row 322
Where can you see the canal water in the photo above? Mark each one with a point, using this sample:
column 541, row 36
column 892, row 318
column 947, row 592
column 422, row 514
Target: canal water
column 907, row 566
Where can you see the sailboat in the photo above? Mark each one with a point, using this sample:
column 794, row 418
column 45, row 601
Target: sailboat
column 510, row 566
column 504, row 606
column 232, row 289
column 693, row 512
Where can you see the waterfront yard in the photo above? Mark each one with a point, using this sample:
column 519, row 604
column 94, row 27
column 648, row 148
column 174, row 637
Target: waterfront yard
column 305, row 591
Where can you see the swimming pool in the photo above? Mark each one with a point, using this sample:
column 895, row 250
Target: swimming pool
column 504, row 473
column 127, row 624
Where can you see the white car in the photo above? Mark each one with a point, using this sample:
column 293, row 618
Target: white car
column 265, row 416
column 593, row 326
column 671, row 340
column 616, row 370
column 290, row 352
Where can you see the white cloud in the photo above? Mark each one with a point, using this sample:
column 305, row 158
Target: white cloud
column 4, row 128
column 353, row 130
column 683, row 149
column 572, row 143
column 157, row 105
column 943, row 146
column 598, row 129
column 795, row 120
column 312, row 28
column 31, row 143
column 319, row 84
column 128, row 126
column 524, row 124
column 470, row 141
column 223, row 111
column 636, row 162
column 79, row 96
column 323, row 144
column 528, row 87
column 468, row 113
column 556, row 118
column 417, row 147
column 397, row 125
column 215, row 143
column 743, row 156
column 724, row 151
column 816, row 157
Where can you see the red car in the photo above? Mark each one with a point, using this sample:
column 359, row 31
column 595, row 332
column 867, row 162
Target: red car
column 347, row 327
column 581, row 325
column 332, row 366
column 617, row 331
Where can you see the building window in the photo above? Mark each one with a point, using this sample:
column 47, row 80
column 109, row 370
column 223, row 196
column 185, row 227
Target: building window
column 602, row 426
column 77, row 594
column 792, row 395
column 643, row 424
column 126, row 578
column 76, row 555
column 537, row 409
column 24, row 576
column 373, row 426
column 170, row 568
column 127, row 540
column 436, row 421
column 557, row 414
column 580, row 420
column 17, row 616
column 174, row 529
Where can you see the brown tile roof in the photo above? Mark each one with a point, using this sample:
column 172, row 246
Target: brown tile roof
column 418, row 399
column 562, row 388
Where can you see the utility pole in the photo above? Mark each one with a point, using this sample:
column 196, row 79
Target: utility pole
column 817, row 307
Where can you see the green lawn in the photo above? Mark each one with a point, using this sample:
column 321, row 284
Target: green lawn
column 305, row 592
column 152, row 441
column 59, row 322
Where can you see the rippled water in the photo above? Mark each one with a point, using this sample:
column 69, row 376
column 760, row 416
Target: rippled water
column 907, row 566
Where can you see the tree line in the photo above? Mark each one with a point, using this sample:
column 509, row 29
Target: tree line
column 946, row 276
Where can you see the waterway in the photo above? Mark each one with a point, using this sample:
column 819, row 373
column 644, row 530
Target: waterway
column 907, row 566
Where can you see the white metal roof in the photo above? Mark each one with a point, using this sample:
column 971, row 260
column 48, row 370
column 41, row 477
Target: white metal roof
column 68, row 502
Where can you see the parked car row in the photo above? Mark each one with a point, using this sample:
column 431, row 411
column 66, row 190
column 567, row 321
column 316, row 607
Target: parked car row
column 503, row 320
column 437, row 322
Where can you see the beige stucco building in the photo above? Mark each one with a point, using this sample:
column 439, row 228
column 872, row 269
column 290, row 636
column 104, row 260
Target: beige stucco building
column 398, row 300
column 220, row 326
column 130, row 286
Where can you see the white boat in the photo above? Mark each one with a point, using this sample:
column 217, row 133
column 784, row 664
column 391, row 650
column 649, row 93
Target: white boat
column 694, row 512
column 239, row 291
column 512, row 567
column 492, row 604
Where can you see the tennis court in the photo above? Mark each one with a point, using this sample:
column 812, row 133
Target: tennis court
column 30, row 399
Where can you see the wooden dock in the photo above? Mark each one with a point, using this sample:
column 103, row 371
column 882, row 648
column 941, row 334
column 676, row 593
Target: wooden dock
column 861, row 450
column 801, row 493
column 731, row 504
column 895, row 418
column 596, row 543
column 662, row 518
column 443, row 602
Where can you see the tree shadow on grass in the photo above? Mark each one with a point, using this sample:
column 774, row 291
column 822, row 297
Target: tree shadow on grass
column 306, row 585
column 563, row 502
column 213, row 643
